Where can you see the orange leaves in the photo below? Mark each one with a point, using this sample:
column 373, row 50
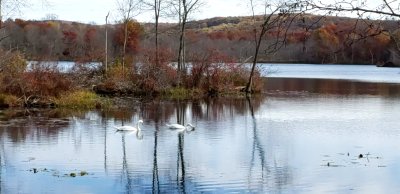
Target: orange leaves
column 326, row 36
column 134, row 31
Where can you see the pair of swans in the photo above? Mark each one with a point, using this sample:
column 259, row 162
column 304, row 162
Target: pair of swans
column 138, row 130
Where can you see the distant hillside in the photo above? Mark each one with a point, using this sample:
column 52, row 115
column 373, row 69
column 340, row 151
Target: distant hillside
column 311, row 39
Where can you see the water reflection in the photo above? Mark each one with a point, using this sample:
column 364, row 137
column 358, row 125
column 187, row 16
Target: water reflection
column 331, row 86
column 267, row 144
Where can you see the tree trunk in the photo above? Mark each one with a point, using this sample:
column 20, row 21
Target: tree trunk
column 248, row 88
column 106, row 46
column 157, row 15
column 181, row 50
column 124, row 47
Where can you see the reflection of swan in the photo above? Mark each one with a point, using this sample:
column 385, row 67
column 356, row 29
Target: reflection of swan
column 130, row 128
column 181, row 127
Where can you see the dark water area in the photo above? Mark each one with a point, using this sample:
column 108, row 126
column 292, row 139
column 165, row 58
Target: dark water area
column 304, row 135
column 330, row 86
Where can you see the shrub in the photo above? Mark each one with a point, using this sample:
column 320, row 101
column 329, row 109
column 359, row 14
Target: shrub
column 8, row 101
column 45, row 80
column 215, row 72
column 39, row 80
column 156, row 76
column 12, row 68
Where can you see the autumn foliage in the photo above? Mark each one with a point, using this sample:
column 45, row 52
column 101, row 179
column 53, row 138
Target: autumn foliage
column 134, row 31
column 34, row 82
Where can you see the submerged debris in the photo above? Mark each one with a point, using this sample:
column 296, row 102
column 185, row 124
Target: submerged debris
column 83, row 173
column 56, row 173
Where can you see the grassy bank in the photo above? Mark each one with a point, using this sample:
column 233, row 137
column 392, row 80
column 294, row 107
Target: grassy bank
column 76, row 100
column 82, row 100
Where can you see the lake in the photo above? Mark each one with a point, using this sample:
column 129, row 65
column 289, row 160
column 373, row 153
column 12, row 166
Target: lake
column 304, row 135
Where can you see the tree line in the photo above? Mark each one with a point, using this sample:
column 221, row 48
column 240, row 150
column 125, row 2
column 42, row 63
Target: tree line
column 330, row 40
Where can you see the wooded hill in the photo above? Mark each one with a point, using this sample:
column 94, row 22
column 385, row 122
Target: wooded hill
column 310, row 39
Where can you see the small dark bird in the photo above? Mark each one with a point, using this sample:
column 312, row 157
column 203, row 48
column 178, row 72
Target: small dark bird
column 360, row 156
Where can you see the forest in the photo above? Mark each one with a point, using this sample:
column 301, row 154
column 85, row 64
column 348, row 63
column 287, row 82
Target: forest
column 311, row 39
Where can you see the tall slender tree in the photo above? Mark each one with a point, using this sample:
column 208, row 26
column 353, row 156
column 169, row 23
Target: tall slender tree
column 275, row 18
column 106, row 46
column 183, row 8
column 128, row 9
column 156, row 6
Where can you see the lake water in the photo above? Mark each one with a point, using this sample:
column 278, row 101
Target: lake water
column 369, row 73
column 301, row 136
column 62, row 66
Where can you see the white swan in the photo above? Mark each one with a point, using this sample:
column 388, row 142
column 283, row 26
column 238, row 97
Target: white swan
column 130, row 128
column 181, row 127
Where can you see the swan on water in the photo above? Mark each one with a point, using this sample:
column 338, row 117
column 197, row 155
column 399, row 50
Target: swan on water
column 130, row 128
column 181, row 127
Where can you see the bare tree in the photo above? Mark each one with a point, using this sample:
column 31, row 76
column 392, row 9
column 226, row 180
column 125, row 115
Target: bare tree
column 128, row 10
column 370, row 14
column 368, row 9
column 156, row 6
column 276, row 19
column 106, row 43
column 183, row 8
column 7, row 7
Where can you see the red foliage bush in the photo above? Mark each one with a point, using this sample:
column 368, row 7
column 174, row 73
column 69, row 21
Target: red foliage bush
column 214, row 71
column 156, row 73
column 46, row 81
column 39, row 80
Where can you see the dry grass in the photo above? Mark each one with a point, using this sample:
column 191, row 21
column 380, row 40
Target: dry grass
column 82, row 100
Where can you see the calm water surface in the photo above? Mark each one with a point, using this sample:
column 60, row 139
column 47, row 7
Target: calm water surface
column 365, row 73
column 302, row 136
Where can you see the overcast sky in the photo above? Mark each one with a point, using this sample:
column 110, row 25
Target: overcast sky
column 95, row 10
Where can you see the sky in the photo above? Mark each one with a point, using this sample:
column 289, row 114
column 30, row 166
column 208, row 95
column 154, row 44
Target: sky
column 94, row 11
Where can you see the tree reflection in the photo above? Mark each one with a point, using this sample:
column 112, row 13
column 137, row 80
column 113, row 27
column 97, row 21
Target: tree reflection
column 125, row 170
column 180, row 116
column 281, row 175
column 156, row 180
column 1, row 166
column 104, row 119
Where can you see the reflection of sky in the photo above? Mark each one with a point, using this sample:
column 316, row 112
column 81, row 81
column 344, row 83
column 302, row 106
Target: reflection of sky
column 367, row 73
column 297, row 137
